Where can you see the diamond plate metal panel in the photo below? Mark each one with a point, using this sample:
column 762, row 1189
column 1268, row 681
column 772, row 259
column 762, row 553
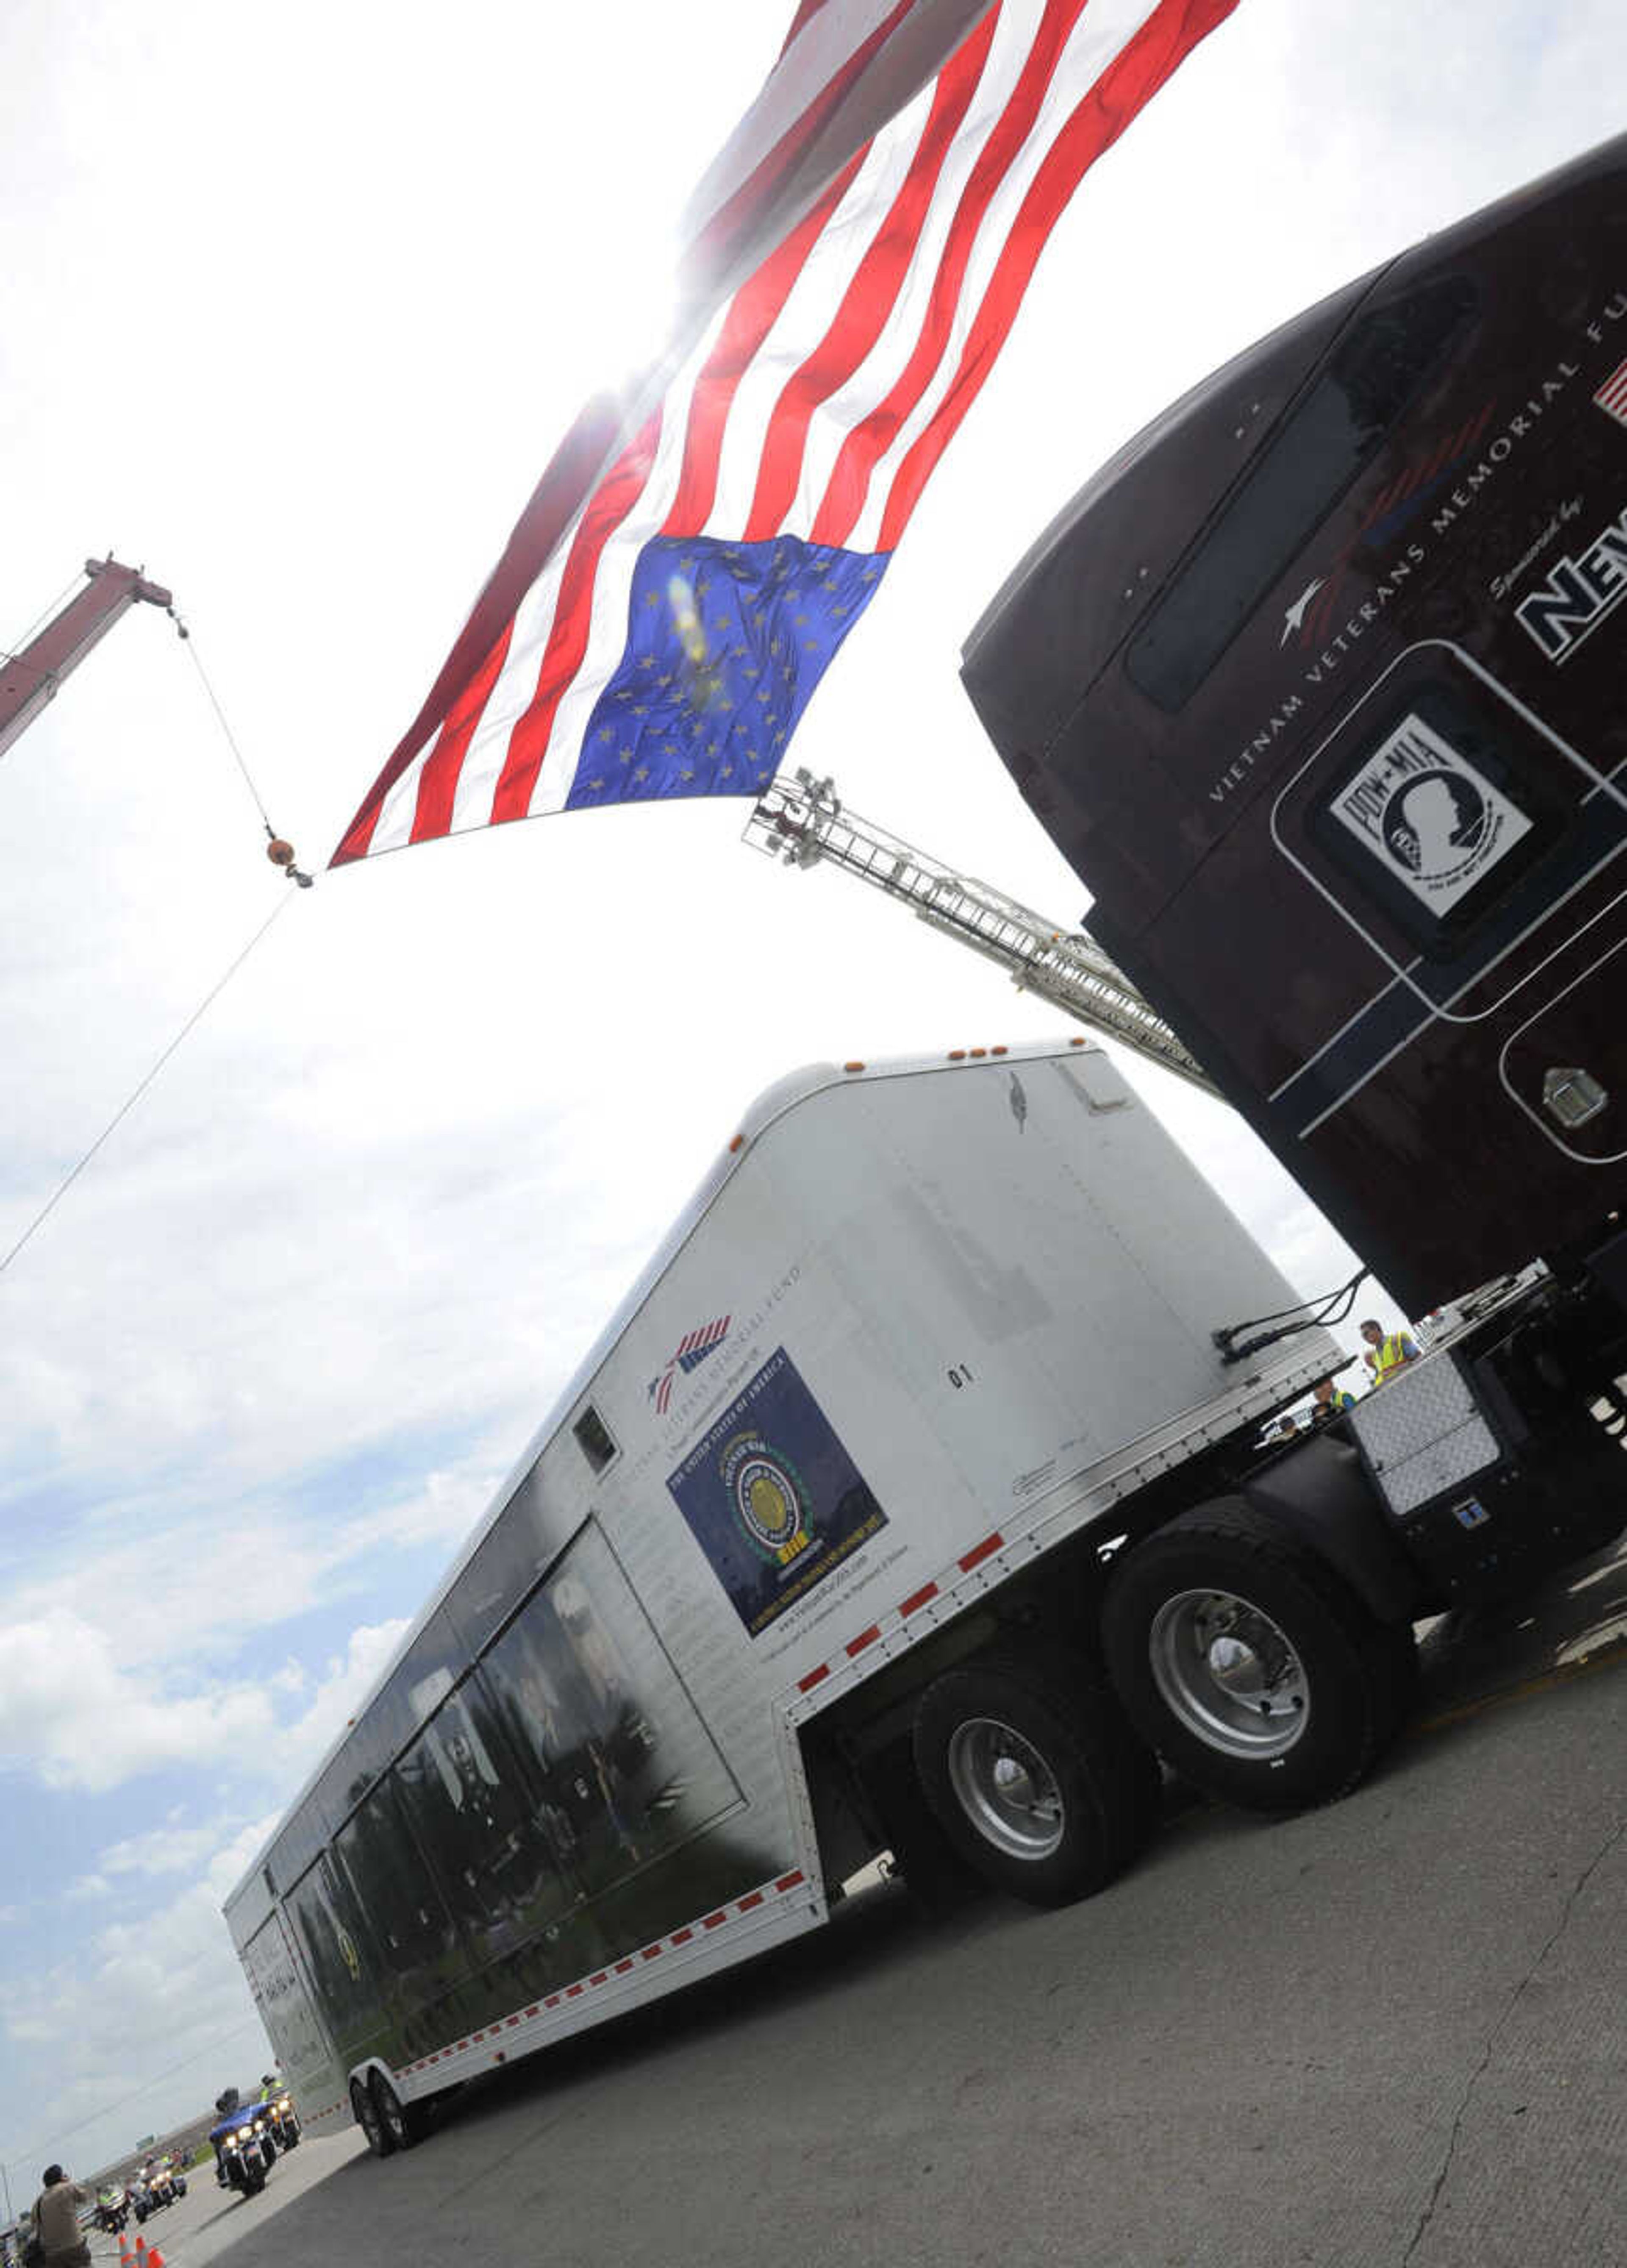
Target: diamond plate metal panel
column 1423, row 1432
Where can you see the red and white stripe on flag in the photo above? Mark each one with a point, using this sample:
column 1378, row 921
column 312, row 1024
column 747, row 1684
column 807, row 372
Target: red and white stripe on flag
column 856, row 258
column 1612, row 395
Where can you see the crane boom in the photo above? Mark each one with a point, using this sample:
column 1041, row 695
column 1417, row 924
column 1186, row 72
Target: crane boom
column 30, row 678
column 805, row 822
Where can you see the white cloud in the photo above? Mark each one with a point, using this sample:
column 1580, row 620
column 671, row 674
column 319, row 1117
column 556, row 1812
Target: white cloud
column 314, row 1560
column 82, row 1718
column 169, row 1977
column 85, row 1719
column 88, row 1888
column 170, row 1849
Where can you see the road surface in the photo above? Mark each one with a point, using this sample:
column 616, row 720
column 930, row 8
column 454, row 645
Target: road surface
column 1387, row 2032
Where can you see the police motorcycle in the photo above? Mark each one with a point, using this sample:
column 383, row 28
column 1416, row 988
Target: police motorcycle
column 113, row 2209
column 245, row 2147
column 282, row 2119
column 157, row 2185
column 165, row 2182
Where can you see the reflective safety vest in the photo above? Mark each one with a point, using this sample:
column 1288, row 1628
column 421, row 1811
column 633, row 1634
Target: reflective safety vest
column 1390, row 1354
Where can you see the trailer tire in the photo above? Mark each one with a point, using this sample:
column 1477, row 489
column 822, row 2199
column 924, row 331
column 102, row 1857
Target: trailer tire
column 1039, row 1785
column 1311, row 1689
column 400, row 2123
column 937, row 1877
column 365, row 2110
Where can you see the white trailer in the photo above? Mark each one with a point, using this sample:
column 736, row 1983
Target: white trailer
column 908, row 1501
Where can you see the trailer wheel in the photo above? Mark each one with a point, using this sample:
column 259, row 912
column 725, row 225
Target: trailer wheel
column 1251, row 1667
column 364, row 2109
column 1044, row 1790
column 401, row 2124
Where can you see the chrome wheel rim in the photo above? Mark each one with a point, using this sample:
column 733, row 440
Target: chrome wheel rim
column 1005, row 1788
column 390, row 2110
column 1228, row 1674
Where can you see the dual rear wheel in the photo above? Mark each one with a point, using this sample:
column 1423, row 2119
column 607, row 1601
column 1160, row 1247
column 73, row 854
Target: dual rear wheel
column 1233, row 1652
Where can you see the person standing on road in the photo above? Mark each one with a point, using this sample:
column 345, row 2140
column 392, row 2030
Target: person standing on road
column 56, row 2220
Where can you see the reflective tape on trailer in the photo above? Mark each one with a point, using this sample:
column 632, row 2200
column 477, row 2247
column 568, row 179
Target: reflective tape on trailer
column 936, row 1589
column 700, row 1930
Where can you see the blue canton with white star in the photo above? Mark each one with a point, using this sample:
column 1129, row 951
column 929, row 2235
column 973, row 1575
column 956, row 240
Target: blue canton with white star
column 725, row 644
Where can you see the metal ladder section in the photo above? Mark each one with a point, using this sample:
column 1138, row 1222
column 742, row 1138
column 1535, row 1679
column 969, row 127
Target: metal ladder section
column 803, row 822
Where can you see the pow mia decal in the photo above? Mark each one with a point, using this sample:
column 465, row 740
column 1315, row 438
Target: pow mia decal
column 1431, row 820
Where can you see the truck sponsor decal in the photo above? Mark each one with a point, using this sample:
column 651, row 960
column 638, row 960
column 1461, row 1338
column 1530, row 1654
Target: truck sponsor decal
column 1307, row 622
column 1430, row 818
column 1580, row 591
column 772, row 1497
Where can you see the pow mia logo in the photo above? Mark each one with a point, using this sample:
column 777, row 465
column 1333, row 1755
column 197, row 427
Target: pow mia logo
column 1431, row 818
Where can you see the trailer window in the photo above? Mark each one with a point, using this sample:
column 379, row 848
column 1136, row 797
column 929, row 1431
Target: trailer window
column 301, row 1841
column 1316, row 453
column 476, row 1820
column 510, row 1560
column 330, row 1932
column 414, row 1932
column 624, row 1765
column 593, row 1439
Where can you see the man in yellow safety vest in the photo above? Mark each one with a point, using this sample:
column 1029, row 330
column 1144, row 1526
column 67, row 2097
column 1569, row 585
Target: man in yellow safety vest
column 1387, row 1352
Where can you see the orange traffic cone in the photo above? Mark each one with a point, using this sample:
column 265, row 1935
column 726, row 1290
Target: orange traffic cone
column 141, row 2252
column 155, row 2258
column 127, row 2259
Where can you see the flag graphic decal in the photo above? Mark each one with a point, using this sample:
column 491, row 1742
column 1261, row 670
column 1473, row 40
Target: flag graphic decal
column 699, row 548
column 1612, row 395
column 691, row 1351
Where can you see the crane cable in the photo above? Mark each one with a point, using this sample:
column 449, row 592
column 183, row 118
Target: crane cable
column 131, row 1100
column 14, row 651
column 276, row 845
column 281, row 854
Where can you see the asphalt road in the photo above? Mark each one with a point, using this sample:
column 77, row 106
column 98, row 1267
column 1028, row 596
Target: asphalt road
column 1393, row 2032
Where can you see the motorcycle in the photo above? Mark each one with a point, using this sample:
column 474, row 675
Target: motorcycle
column 283, row 2121
column 113, row 2210
column 245, row 2150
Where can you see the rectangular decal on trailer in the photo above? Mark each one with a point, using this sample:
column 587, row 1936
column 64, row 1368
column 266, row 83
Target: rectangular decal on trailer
column 772, row 1497
column 1431, row 818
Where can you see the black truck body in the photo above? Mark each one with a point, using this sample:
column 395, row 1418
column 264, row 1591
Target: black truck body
column 1319, row 686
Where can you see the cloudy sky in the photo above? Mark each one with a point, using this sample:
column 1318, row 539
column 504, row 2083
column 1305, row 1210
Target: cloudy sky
column 299, row 302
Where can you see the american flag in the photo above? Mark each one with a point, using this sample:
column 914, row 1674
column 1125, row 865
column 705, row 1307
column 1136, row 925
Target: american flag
column 691, row 1351
column 1612, row 395
column 689, row 566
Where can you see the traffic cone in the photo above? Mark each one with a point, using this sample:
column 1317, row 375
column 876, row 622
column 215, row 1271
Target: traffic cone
column 155, row 2258
column 141, row 2252
column 127, row 2259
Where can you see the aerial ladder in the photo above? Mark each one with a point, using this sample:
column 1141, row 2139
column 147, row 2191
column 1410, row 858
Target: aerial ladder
column 804, row 823
column 31, row 677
